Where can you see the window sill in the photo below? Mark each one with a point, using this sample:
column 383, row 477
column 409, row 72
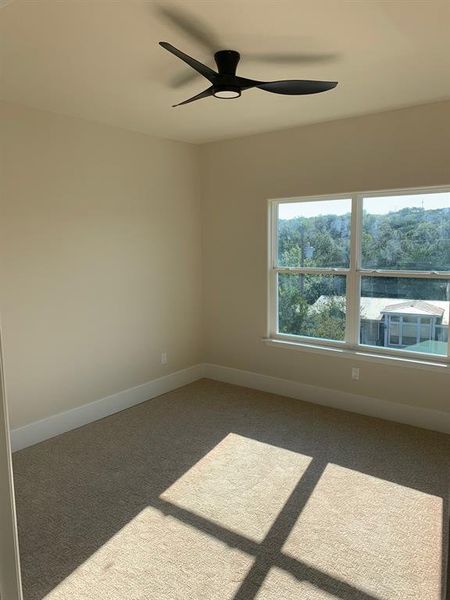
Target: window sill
column 387, row 360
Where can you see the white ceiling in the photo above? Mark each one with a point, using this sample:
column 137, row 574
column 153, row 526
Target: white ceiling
column 100, row 59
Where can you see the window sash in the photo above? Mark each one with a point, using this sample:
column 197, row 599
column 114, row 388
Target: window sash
column 353, row 274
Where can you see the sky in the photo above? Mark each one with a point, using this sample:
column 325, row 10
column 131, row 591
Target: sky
column 376, row 206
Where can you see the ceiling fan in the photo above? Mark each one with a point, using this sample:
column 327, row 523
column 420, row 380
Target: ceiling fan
column 189, row 25
column 226, row 84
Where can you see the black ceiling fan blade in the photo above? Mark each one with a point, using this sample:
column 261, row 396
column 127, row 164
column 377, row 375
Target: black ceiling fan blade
column 291, row 58
column 184, row 78
column 296, row 87
column 204, row 94
column 191, row 26
column 195, row 64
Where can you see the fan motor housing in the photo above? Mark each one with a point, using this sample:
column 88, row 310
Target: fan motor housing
column 227, row 61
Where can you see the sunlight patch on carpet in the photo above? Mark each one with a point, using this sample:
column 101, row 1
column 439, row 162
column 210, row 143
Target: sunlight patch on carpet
column 242, row 484
column 279, row 584
column 157, row 556
column 377, row 535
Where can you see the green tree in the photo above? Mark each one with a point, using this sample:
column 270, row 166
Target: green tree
column 328, row 319
column 292, row 306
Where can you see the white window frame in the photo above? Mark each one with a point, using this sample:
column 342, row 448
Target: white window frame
column 353, row 274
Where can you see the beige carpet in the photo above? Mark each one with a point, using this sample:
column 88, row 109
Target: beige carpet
column 215, row 492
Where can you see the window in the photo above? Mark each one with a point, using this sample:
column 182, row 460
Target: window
column 366, row 271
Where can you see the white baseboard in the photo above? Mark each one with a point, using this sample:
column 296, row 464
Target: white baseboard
column 44, row 429
column 76, row 417
column 392, row 411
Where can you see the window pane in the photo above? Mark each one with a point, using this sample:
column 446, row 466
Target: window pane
column 405, row 313
column 312, row 305
column 314, row 234
column 407, row 232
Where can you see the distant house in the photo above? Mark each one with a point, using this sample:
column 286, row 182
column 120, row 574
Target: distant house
column 418, row 325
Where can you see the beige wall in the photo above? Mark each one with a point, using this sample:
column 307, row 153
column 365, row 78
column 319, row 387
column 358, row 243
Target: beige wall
column 404, row 148
column 100, row 265
column 100, row 250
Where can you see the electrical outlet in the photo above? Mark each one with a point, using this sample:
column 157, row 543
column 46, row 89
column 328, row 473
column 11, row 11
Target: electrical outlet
column 164, row 358
column 355, row 373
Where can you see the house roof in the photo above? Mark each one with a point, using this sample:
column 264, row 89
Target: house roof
column 415, row 307
column 373, row 309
